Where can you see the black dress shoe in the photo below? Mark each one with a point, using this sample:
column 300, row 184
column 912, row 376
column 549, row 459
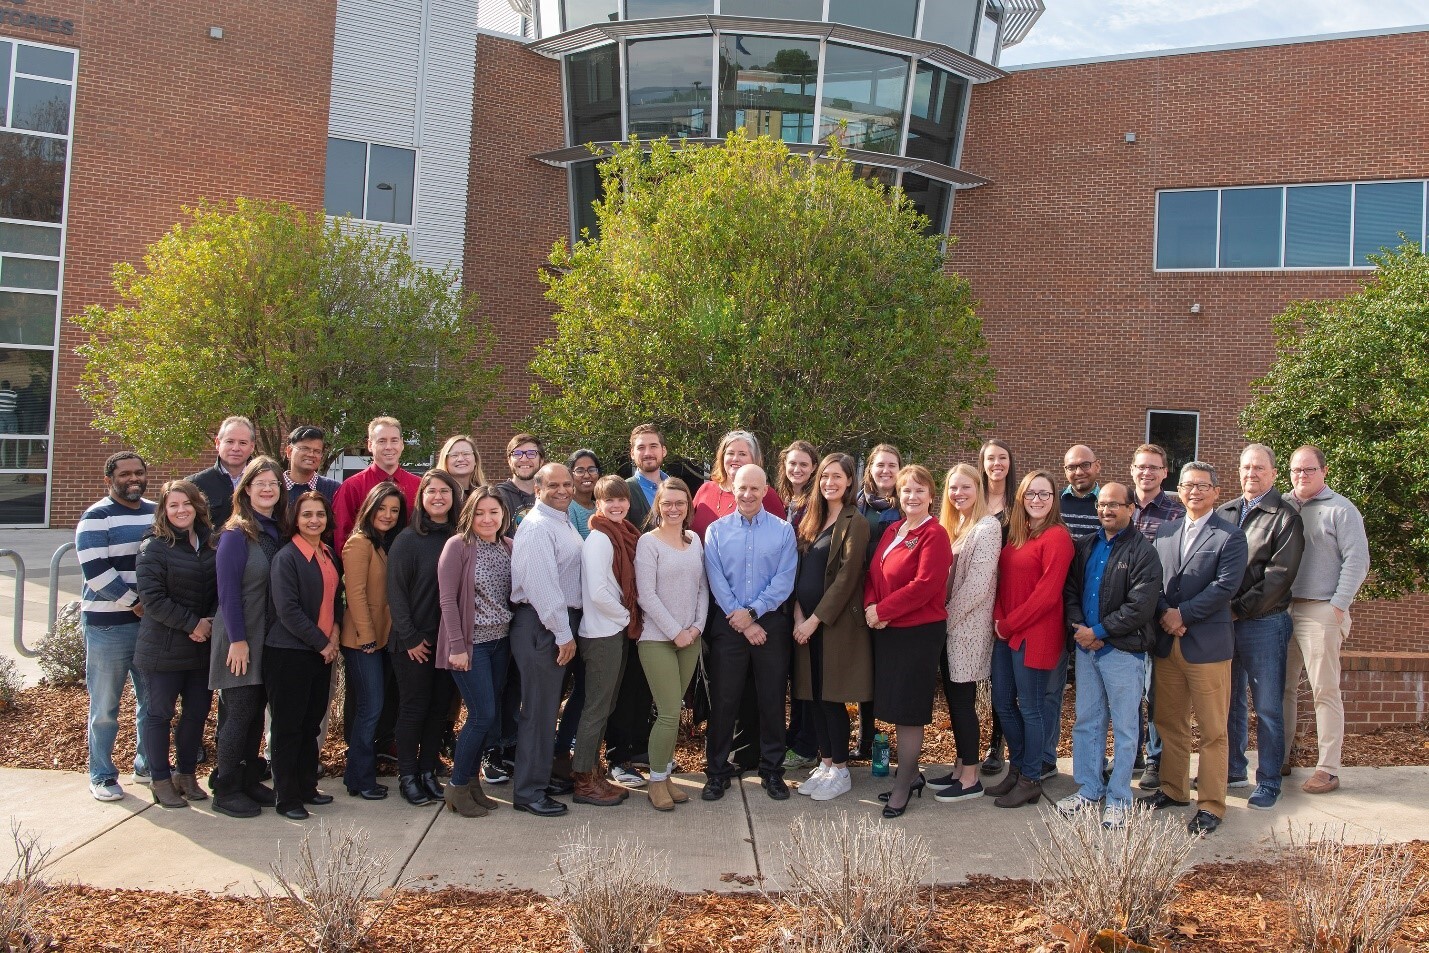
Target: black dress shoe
column 1161, row 800
column 1203, row 823
column 993, row 763
column 775, row 787
column 714, row 789
column 915, row 788
column 375, row 793
column 433, row 787
column 546, row 807
column 413, row 791
column 559, row 786
column 298, row 813
column 317, row 799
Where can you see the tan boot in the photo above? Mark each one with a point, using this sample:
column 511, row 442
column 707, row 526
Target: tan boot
column 458, row 799
column 187, row 785
column 480, row 796
column 165, row 794
column 660, row 798
column 676, row 795
column 588, row 791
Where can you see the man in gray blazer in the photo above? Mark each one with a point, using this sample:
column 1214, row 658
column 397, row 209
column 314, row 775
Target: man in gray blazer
column 1202, row 560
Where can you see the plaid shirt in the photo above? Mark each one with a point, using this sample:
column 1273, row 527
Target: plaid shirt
column 1163, row 508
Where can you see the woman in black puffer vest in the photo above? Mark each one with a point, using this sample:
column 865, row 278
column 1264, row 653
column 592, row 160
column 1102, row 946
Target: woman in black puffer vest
column 177, row 587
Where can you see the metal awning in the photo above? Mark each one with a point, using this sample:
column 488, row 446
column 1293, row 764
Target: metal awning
column 1018, row 18
column 596, row 34
column 957, row 178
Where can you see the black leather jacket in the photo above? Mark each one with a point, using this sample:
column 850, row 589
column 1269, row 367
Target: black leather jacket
column 1277, row 542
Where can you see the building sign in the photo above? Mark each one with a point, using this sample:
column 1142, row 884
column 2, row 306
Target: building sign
column 10, row 15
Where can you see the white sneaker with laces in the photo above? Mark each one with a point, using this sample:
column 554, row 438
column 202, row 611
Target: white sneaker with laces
column 836, row 782
column 106, row 790
column 622, row 774
column 815, row 780
column 1074, row 804
column 1114, row 816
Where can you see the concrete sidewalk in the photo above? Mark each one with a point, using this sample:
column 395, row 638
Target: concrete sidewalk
column 35, row 547
column 710, row 846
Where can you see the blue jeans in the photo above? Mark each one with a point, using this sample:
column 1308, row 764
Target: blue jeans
column 481, row 687
column 1019, row 696
column 367, row 678
column 108, row 660
column 1259, row 665
column 1108, row 688
column 1052, row 707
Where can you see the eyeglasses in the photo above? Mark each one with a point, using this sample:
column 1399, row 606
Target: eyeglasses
column 1032, row 495
column 1109, row 504
column 1197, row 487
column 1147, row 468
column 525, row 454
column 1074, row 467
column 461, row 455
column 586, row 471
column 1303, row 471
column 265, row 485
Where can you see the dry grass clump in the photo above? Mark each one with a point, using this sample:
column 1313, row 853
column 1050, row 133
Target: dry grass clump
column 854, row 888
column 612, row 895
column 1092, row 878
column 21, row 892
column 1348, row 899
column 329, row 886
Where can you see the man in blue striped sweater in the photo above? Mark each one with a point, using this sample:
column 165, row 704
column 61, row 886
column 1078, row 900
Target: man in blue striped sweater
column 107, row 543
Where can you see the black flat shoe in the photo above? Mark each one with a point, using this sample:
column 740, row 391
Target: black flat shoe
column 318, row 799
column 1203, row 823
column 776, row 788
column 1161, row 800
column 413, row 792
column 298, row 813
column 714, row 789
column 915, row 788
column 546, row 807
column 375, row 793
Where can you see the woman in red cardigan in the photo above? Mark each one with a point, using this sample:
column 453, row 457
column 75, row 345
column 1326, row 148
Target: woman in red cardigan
column 715, row 497
column 1027, row 618
column 903, row 598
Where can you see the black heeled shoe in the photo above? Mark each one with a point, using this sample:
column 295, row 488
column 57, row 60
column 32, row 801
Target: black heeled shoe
column 915, row 788
column 375, row 793
column 891, row 812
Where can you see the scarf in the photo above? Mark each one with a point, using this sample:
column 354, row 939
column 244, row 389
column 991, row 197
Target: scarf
column 623, row 536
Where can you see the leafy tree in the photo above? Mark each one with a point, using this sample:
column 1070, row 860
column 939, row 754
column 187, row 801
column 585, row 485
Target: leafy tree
column 1352, row 377
column 262, row 310
column 743, row 286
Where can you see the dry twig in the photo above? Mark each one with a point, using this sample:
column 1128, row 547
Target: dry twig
column 612, row 896
column 21, row 892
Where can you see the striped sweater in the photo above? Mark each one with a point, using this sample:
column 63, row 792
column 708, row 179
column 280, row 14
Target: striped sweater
column 107, row 544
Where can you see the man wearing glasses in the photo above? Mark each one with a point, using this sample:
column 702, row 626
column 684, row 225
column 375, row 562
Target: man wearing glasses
column 1202, row 560
column 304, row 453
column 1335, row 564
column 525, row 454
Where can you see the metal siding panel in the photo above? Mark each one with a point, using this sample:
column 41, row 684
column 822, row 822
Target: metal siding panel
column 446, row 133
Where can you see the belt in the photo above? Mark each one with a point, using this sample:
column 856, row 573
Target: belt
column 1299, row 601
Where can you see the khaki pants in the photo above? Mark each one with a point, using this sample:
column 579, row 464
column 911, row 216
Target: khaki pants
column 1315, row 649
column 1184, row 687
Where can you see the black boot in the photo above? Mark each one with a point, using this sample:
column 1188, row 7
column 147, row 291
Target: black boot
column 229, row 799
column 413, row 790
column 253, row 785
column 433, row 787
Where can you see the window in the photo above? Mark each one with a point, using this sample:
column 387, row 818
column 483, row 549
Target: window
column 640, row 9
column 935, row 115
column 670, row 87
column 889, row 16
column 930, row 197
column 1292, row 226
column 986, row 49
column 767, row 86
column 777, row 9
column 593, row 83
column 586, row 190
column 863, row 93
column 951, row 22
column 369, row 181
column 1178, row 432
column 579, row 13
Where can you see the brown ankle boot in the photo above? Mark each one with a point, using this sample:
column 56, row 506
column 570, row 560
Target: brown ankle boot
column 660, row 798
column 1006, row 784
column 458, row 798
column 588, row 791
column 676, row 795
column 609, row 787
column 187, row 785
column 480, row 796
column 1026, row 791
column 165, row 794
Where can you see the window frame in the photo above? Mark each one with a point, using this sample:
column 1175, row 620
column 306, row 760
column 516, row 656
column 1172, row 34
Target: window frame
column 367, row 145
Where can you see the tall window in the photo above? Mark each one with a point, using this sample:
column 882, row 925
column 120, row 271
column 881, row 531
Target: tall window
column 1178, row 432
column 369, row 181
column 889, row 16
column 36, row 106
column 593, row 81
column 936, row 113
column 670, row 87
column 951, row 23
column 864, row 93
column 767, row 86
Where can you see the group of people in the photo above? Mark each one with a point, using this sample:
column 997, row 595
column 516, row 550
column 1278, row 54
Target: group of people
column 569, row 611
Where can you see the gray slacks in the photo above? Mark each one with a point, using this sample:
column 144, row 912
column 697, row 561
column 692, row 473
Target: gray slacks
column 533, row 649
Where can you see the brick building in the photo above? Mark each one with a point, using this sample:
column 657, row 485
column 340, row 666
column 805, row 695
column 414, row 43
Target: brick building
column 1134, row 211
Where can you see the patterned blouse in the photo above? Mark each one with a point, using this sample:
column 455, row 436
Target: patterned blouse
column 493, row 592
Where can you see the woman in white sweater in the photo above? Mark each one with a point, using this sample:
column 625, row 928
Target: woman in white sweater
column 674, row 595
column 972, row 588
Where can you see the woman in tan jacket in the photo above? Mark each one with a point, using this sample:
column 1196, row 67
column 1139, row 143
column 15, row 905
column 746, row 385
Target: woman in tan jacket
column 365, row 627
column 833, row 658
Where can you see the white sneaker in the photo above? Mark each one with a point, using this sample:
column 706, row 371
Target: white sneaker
column 836, row 782
column 106, row 790
column 815, row 780
column 626, row 775
column 1114, row 816
column 1074, row 804
column 143, row 777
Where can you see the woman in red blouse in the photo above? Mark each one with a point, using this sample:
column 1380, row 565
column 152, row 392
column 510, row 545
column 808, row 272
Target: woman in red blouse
column 903, row 598
column 715, row 497
column 1031, row 631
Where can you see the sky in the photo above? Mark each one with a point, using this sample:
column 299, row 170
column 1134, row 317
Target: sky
column 1076, row 29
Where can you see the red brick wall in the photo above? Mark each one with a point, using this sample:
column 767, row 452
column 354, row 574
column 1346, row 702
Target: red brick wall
column 1085, row 336
column 165, row 116
column 517, row 208
column 1378, row 688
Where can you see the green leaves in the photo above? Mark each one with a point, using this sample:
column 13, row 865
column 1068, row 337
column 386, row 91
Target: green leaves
column 261, row 310
column 1352, row 377
column 746, row 286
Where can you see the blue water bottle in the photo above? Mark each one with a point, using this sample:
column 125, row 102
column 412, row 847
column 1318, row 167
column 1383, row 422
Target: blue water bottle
column 880, row 755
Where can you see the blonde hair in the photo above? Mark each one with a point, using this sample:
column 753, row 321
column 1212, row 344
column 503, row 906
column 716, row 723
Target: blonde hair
column 717, row 471
column 1020, row 530
column 478, row 476
column 953, row 521
column 376, row 422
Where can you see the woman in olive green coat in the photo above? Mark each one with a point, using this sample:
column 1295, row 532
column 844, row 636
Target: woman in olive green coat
column 833, row 658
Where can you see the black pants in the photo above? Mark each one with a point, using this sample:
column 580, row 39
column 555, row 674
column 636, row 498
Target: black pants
column 961, row 698
column 164, row 690
column 627, row 733
column 240, row 733
column 733, row 664
column 425, row 692
column 827, row 720
column 298, row 683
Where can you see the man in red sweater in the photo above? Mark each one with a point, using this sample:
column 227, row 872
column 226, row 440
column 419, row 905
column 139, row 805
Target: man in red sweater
column 384, row 442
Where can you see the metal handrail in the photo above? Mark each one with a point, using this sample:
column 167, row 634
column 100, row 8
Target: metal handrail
column 54, row 607
column 19, row 602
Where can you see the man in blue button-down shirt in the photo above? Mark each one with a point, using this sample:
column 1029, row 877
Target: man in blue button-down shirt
column 750, row 558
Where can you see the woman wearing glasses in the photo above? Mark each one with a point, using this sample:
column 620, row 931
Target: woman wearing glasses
column 458, row 457
column 585, row 471
column 1031, row 632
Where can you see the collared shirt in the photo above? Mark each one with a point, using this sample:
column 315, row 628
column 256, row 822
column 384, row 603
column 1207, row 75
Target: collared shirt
column 1092, row 586
column 327, row 610
column 546, row 568
column 1336, row 558
column 1161, row 508
column 1192, row 530
column 750, row 562
column 1247, row 505
column 648, row 486
column 1080, row 512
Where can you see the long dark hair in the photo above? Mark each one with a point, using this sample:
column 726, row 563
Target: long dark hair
column 1008, row 485
column 244, row 518
column 363, row 525
column 818, row 509
column 468, row 512
column 791, row 496
column 422, row 524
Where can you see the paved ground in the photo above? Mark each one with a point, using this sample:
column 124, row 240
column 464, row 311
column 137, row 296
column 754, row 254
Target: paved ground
column 35, row 546
column 134, row 843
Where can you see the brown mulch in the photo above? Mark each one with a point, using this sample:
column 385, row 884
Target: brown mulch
column 46, row 729
column 1222, row 908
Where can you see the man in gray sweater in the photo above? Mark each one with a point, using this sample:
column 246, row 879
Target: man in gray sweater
column 1334, row 567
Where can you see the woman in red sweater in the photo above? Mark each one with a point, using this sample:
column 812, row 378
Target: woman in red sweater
column 903, row 599
column 1031, row 632
column 715, row 497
